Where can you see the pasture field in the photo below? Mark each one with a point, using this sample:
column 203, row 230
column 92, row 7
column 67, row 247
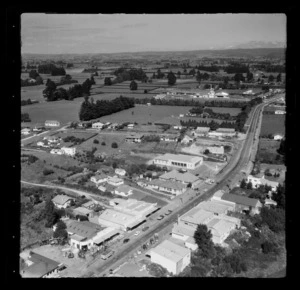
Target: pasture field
column 267, row 152
column 231, row 111
column 144, row 114
column 273, row 124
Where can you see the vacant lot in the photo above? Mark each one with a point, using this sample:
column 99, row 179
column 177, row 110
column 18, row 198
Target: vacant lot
column 267, row 152
column 273, row 124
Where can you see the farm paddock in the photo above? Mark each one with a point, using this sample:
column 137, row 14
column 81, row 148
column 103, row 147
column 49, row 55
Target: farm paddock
column 272, row 124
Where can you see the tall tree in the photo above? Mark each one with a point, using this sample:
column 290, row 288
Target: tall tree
column 198, row 77
column 278, row 78
column 133, row 86
column 171, row 79
column 48, row 93
column 107, row 81
column 203, row 239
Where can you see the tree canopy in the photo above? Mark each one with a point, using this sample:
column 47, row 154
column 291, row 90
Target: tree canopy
column 203, row 239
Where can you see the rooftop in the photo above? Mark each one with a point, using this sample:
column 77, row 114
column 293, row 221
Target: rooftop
column 202, row 129
column 183, row 177
column 84, row 229
column 167, row 184
column 220, row 226
column 124, row 188
column 197, row 216
column 213, row 206
column 183, row 230
column 179, row 158
column 61, row 199
column 171, row 251
column 82, row 210
column 42, row 265
column 229, row 130
column 241, row 199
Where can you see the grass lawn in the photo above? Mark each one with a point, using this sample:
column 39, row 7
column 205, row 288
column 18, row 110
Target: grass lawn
column 273, row 124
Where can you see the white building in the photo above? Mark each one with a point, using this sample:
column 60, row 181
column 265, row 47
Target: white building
column 25, row 131
column 134, row 137
column 257, row 181
column 52, row 123
column 201, row 131
column 178, row 160
column 120, row 171
column 171, row 256
column 218, row 150
column 99, row 178
column 278, row 137
column 115, row 181
column 279, row 112
column 97, row 125
column 62, row 201
column 123, row 190
column 71, row 151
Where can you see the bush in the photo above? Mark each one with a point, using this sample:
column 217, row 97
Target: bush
column 47, row 171
column 103, row 143
column 114, row 145
column 269, row 247
column 96, row 141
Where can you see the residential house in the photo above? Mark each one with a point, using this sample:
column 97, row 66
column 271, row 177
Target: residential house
column 115, row 181
column 89, row 205
column 242, row 203
column 123, row 190
column 97, row 125
column 40, row 143
column 280, row 112
column 134, row 137
column 171, row 256
column 56, row 151
column 201, row 131
column 130, row 126
column 52, row 139
column 52, row 123
column 25, row 131
column 70, row 151
column 186, row 234
column 257, row 181
column 185, row 178
column 169, row 138
column 187, row 140
column 120, row 171
column 222, row 132
column 172, row 187
column 84, row 235
column 62, row 201
column 83, row 211
column 40, row 267
column 99, row 178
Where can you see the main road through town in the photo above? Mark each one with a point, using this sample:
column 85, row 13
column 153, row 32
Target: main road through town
column 226, row 175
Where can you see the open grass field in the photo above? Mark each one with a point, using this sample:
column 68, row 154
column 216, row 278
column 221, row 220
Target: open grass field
column 267, row 152
column 144, row 114
column 273, row 124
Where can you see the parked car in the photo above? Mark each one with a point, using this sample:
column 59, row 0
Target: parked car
column 126, row 241
column 160, row 217
column 137, row 233
column 145, row 229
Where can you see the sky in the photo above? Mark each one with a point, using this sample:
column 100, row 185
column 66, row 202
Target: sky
column 112, row 33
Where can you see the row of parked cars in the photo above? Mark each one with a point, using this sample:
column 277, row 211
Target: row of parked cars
column 166, row 214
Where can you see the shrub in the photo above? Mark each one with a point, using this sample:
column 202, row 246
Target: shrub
column 269, row 247
column 103, row 143
column 96, row 141
column 47, row 171
column 114, row 145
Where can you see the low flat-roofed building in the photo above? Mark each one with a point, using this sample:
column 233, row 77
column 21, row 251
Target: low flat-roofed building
column 134, row 137
column 89, row 205
column 119, row 220
column 120, row 171
column 97, row 125
column 201, row 131
column 195, row 217
column 178, row 160
column 52, row 123
column 71, row 151
column 62, row 201
column 135, row 207
column 215, row 207
column 171, row 256
column 40, row 266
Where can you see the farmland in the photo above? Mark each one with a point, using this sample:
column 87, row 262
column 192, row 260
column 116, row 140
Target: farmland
column 272, row 124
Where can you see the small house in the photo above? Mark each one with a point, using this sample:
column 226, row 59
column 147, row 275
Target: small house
column 62, row 201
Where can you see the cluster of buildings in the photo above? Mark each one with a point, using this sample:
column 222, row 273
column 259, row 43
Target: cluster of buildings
column 174, row 254
column 260, row 180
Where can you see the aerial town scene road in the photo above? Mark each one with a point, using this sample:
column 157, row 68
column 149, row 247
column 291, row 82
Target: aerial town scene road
column 143, row 159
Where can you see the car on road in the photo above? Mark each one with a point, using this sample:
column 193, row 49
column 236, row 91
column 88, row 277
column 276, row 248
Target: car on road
column 139, row 252
column 145, row 229
column 126, row 241
column 137, row 233
column 160, row 217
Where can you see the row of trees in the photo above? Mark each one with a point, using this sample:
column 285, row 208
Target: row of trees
column 90, row 110
column 51, row 93
column 190, row 102
column 51, row 69
column 207, row 112
column 213, row 125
